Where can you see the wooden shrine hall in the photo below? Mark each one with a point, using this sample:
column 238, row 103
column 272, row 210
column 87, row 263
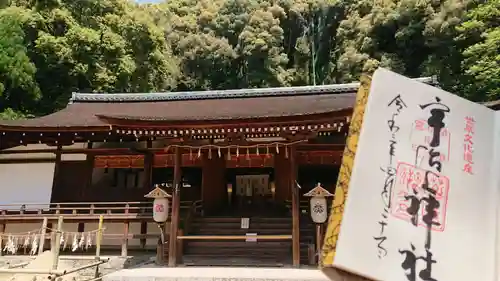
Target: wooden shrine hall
column 243, row 160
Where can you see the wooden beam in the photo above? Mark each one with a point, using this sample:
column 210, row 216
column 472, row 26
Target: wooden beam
column 68, row 151
column 119, row 151
column 295, row 209
column 174, row 222
column 28, row 160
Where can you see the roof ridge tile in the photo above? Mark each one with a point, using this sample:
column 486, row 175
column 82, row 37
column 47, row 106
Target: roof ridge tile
column 223, row 94
column 214, row 94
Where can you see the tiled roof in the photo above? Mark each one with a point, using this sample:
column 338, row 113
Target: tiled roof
column 495, row 105
column 87, row 110
column 217, row 94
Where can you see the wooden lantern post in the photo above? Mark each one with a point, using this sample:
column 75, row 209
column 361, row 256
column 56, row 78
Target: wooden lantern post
column 160, row 213
column 319, row 213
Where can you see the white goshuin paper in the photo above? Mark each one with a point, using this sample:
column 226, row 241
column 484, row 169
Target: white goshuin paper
column 464, row 246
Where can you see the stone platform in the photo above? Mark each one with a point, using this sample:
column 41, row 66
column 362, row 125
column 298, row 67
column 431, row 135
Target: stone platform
column 216, row 274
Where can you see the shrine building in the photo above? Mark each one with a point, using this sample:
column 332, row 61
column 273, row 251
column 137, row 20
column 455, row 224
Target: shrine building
column 243, row 159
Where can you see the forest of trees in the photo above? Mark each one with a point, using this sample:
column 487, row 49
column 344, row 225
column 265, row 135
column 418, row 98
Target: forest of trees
column 51, row 48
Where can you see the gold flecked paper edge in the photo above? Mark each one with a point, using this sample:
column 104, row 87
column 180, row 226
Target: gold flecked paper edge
column 341, row 190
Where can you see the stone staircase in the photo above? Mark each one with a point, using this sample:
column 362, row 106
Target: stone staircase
column 240, row 252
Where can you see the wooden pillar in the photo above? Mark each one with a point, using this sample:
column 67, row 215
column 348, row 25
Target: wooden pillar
column 126, row 226
column 176, row 200
column 282, row 177
column 2, row 231
column 55, row 243
column 144, row 231
column 41, row 243
column 89, row 164
column 319, row 241
column 56, row 168
column 295, row 209
column 148, row 167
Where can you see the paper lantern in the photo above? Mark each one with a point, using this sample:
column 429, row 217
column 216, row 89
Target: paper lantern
column 160, row 204
column 319, row 207
column 160, row 210
column 319, row 213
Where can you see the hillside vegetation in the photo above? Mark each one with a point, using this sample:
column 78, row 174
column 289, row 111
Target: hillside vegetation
column 51, row 48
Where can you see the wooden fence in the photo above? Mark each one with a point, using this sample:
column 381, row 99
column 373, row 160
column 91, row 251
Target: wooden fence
column 129, row 225
column 55, row 238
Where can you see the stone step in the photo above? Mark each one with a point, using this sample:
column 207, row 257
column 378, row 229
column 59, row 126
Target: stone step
column 242, row 244
column 234, row 261
column 217, row 273
column 238, row 225
column 238, row 219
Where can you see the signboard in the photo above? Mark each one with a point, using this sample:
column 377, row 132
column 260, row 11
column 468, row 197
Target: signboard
column 245, row 223
column 423, row 190
column 250, row 238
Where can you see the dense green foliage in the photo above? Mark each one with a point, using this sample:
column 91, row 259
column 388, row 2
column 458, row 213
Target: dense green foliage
column 51, row 48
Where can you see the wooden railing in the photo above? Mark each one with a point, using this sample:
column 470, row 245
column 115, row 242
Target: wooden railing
column 303, row 206
column 83, row 210
column 55, row 248
column 195, row 209
column 114, row 213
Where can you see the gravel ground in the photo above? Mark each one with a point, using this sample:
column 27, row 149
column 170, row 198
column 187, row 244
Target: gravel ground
column 115, row 263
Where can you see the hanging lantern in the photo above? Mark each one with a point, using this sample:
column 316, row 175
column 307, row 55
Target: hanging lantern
column 318, row 210
column 273, row 189
column 160, row 204
column 160, row 209
column 318, row 204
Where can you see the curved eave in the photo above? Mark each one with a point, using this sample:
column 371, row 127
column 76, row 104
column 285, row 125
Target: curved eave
column 153, row 121
column 68, row 119
column 95, row 112
column 87, row 116
column 14, row 128
column 495, row 105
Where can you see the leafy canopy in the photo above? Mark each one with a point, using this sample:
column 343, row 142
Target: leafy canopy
column 49, row 49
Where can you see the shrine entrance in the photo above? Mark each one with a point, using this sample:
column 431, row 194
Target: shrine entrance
column 251, row 192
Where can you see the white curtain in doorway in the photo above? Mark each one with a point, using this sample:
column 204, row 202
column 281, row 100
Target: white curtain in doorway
column 26, row 184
